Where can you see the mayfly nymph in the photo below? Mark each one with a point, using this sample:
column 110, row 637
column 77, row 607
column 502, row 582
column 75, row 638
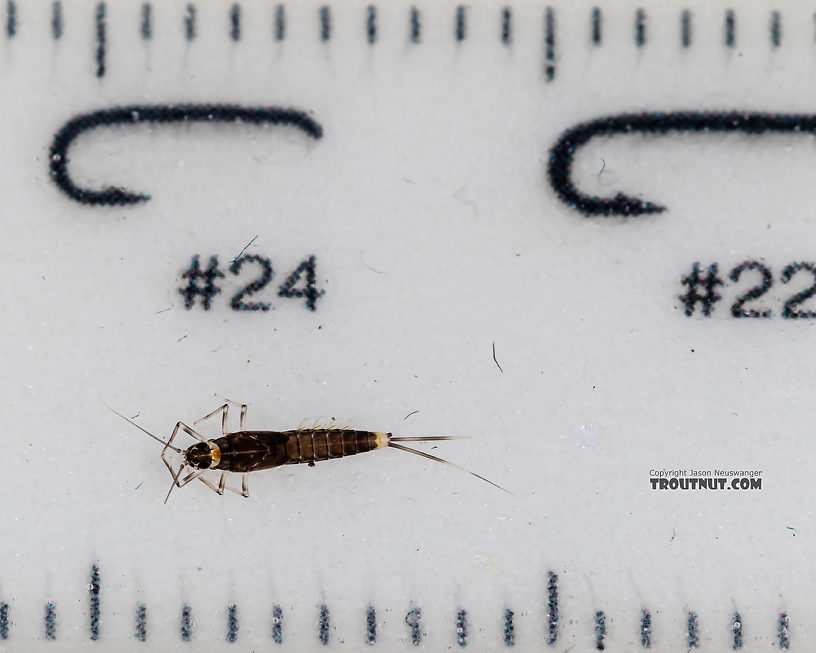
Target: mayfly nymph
column 245, row 451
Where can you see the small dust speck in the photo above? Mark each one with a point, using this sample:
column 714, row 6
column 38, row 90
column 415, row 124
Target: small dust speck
column 589, row 436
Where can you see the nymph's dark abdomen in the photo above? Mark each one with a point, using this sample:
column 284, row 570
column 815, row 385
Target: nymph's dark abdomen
column 313, row 445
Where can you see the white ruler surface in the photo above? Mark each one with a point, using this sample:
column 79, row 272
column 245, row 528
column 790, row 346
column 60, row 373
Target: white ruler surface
column 581, row 234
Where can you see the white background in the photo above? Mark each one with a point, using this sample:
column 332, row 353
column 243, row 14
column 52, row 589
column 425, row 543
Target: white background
column 432, row 171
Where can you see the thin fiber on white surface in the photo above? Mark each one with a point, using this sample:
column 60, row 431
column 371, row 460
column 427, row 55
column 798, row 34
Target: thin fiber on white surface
column 439, row 243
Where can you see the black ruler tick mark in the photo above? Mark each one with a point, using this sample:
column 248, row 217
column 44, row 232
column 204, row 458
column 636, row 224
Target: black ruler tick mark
column 692, row 631
column 730, row 29
column 600, row 630
column 461, row 628
column 56, row 20
column 280, row 23
column 190, row 22
column 100, row 39
column 186, row 629
column 549, row 44
column 11, row 18
column 461, row 23
column 509, row 628
column 507, row 26
column 325, row 23
column 235, row 22
column 371, row 625
column 94, row 589
column 685, row 28
column 141, row 622
column 50, row 621
column 596, row 26
column 552, row 608
column 371, row 24
column 4, row 621
column 776, row 29
column 232, row 623
column 645, row 629
column 277, row 624
column 736, row 631
column 415, row 25
column 323, row 625
column 147, row 22
column 640, row 28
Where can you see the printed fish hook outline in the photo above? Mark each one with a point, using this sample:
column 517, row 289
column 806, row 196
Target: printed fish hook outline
column 157, row 114
column 559, row 169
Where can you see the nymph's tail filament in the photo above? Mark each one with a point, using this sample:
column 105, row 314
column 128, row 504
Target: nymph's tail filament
column 429, row 438
column 392, row 442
